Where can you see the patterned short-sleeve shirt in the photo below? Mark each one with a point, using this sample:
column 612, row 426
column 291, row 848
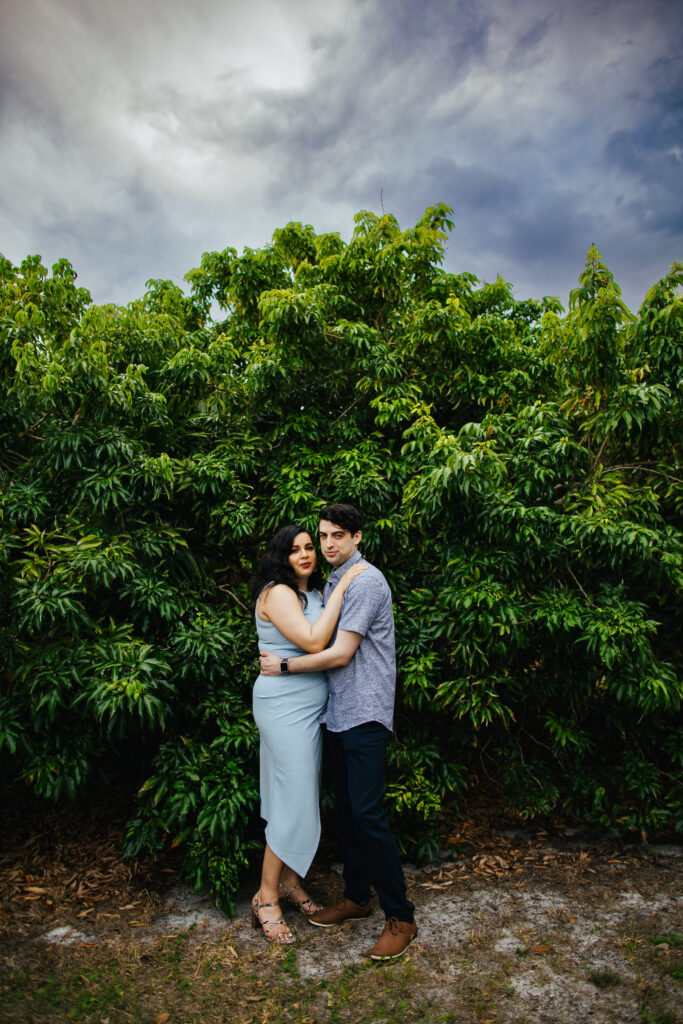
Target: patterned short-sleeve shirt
column 364, row 690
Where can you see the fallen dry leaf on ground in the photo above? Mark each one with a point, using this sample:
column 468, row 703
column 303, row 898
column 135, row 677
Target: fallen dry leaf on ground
column 67, row 862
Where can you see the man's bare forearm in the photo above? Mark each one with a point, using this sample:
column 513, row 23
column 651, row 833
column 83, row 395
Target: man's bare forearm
column 340, row 653
column 316, row 662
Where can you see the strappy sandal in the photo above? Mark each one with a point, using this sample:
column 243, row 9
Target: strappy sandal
column 305, row 907
column 282, row 938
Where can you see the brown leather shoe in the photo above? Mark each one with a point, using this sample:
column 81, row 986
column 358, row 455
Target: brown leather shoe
column 394, row 940
column 341, row 910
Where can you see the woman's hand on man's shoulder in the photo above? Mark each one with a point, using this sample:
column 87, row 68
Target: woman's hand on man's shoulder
column 354, row 572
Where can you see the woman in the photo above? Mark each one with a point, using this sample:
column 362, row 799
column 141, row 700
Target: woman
column 290, row 620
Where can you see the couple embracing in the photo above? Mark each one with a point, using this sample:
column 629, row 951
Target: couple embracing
column 349, row 687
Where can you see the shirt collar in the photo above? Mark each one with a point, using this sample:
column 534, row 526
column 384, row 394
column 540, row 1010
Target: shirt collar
column 337, row 574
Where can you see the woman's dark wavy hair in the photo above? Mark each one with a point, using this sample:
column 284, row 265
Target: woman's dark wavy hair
column 274, row 565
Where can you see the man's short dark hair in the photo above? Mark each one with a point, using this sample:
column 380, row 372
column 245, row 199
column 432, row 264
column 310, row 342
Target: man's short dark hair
column 346, row 516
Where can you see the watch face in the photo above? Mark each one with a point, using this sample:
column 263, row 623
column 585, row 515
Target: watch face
column 284, row 667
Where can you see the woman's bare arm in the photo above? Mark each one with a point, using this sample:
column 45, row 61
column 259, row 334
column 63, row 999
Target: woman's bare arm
column 280, row 605
column 340, row 653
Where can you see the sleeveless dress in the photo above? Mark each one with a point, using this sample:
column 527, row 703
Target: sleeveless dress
column 286, row 712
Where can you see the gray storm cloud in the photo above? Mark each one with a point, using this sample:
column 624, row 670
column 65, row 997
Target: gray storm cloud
column 134, row 137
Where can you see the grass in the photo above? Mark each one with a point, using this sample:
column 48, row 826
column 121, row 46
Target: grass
column 604, row 979
column 197, row 983
column 81, row 995
column 231, row 978
column 646, row 1017
column 216, row 982
column 670, row 939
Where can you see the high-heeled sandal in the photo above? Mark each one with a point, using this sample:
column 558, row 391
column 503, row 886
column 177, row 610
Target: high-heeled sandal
column 305, row 907
column 281, row 938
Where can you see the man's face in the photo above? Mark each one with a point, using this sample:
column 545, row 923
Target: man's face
column 337, row 544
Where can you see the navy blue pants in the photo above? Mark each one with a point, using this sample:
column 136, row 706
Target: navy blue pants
column 355, row 759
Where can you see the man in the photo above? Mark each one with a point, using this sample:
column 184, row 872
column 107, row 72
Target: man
column 358, row 720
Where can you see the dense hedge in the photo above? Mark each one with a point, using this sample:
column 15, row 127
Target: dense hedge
column 519, row 470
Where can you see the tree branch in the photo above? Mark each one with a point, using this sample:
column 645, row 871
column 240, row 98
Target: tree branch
column 227, row 590
column 643, row 467
column 348, row 409
column 569, row 570
column 24, row 458
column 597, row 458
column 37, row 423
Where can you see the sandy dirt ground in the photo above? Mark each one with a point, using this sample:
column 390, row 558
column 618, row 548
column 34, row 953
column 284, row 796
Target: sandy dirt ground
column 515, row 925
column 593, row 937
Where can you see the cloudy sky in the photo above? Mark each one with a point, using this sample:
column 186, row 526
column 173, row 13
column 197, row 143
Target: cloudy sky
column 136, row 135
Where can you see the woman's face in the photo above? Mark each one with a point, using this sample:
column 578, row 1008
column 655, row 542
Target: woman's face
column 302, row 558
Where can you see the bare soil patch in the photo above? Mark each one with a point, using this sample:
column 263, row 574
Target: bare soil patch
column 515, row 925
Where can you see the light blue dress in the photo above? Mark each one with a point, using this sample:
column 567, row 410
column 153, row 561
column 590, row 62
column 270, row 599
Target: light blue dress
column 286, row 711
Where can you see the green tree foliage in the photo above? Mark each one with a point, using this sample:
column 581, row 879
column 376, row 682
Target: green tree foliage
column 520, row 474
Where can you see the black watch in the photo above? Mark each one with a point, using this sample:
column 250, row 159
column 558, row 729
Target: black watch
column 284, row 665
